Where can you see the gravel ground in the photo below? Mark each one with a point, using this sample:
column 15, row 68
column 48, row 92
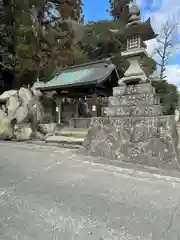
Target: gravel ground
column 50, row 193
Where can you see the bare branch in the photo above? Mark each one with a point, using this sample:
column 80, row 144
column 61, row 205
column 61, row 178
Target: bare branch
column 169, row 43
column 159, row 52
column 167, row 40
column 159, row 64
column 168, row 54
column 159, row 41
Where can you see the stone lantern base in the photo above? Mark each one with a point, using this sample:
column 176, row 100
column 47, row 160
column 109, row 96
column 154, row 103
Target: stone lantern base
column 135, row 130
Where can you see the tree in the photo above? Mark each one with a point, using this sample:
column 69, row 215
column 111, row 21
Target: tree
column 167, row 41
column 41, row 41
column 99, row 43
column 148, row 65
column 119, row 9
column 7, row 43
column 169, row 96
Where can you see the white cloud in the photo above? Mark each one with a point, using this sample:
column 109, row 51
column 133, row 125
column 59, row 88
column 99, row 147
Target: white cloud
column 163, row 10
column 173, row 74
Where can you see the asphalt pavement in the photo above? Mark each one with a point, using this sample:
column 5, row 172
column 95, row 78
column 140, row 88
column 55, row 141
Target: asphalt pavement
column 51, row 193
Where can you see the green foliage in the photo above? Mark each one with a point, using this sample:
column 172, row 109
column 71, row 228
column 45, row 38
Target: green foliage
column 30, row 48
column 27, row 45
column 100, row 43
column 148, row 65
column 6, row 58
column 169, row 96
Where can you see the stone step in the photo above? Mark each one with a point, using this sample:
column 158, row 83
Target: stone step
column 56, row 144
column 143, row 98
column 73, row 132
column 143, row 111
column 133, row 89
column 64, row 140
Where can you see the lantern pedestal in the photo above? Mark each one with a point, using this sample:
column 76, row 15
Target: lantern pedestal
column 135, row 129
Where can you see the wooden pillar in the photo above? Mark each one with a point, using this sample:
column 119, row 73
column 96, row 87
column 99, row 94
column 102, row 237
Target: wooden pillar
column 76, row 108
column 59, row 109
column 94, row 105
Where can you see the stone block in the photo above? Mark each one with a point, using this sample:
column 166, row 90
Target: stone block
column 23, row 132
column 133, row 89
column 47, row 128
column 140, row 110
column 135, row 99
column 135, row 130
column 151, row 141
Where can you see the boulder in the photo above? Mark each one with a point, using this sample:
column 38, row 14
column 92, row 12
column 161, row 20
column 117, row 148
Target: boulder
column 33, row 114
column 37, row 93
column 6, row 95
column 2, row 114
column 48, row 128
column 37, row 111
column 22, row 113
column 3, row 107
column 26, row 96
column 6, row 130
column 23, row 132
column 12, row 106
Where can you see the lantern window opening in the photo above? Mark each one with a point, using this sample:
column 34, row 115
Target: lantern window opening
column 133, row 42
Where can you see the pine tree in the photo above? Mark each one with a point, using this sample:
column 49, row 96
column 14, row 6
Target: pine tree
column 119, row 9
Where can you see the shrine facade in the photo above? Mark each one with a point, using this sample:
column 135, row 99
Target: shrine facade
column 79, row 92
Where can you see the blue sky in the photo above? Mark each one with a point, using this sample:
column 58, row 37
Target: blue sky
column 157, row 10
column 95, row 9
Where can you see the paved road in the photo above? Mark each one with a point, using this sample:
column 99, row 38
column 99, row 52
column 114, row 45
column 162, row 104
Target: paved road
column 47, row 193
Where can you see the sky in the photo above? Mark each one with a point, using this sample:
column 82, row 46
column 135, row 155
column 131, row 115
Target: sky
column 158, row 11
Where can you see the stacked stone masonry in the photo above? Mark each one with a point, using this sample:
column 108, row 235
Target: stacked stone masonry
column 135, row 130
column 143, row 98
column 134, row 100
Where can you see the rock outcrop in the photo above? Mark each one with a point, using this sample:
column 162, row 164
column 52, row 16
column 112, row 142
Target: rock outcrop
column 23, row 132
column 6, row 129
column 20, row 113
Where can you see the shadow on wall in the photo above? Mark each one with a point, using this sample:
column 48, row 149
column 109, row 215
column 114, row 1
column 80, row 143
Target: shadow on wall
column 69, row 110
column 50, row 114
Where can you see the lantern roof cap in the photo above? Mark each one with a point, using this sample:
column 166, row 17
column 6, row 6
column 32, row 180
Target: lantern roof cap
column 134, row 9
column 137, row 28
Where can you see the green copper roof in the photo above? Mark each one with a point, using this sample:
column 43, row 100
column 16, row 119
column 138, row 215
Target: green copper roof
column 67, row 78
column 85, row 74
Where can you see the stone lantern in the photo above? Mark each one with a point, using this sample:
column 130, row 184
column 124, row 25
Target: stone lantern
column 133, row 37
column 135, row 129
